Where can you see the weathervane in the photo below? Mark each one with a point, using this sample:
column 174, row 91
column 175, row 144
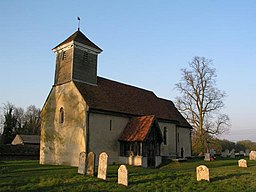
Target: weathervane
column 78, row 18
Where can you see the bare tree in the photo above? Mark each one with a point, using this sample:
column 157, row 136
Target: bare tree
column 201, row 101
column 32, row 120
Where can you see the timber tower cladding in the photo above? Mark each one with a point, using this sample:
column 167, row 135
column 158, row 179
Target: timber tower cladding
column 76, row 59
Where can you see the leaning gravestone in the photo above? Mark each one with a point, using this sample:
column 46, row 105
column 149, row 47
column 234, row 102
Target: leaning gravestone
column 223, row 154
column 90, row 164
column 207, row 157
column 81, row 166
column 123, row 175
column 227, row 152
column 242, row 163
column 202, row 173
column 102, row 167
column 232, row 154
column 252, row 155
column 247, row 152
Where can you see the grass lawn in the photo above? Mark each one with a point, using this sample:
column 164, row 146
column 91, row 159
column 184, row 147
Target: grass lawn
column 225, row 175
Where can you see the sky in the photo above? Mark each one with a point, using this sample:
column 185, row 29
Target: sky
column 145, row 44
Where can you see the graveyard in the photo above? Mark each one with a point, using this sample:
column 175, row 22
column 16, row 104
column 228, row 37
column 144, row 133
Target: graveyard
column 225, row 174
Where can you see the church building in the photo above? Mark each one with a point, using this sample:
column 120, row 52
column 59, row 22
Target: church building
column 84, row 112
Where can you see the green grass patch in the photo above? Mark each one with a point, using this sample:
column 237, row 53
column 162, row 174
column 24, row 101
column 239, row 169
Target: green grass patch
column 225, row 175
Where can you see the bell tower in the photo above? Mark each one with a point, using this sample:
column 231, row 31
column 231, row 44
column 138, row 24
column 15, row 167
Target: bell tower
column 76, row 60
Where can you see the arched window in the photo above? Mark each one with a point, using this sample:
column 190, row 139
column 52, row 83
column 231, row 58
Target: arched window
column 61, row 115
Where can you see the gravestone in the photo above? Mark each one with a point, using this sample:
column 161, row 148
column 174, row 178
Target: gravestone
column 252, row 155
column 123, row 175
column 207, row 157
column 227, row 152
column 90, row 164
column 232, row 154
column 102, row 167
column 212, row 152
column 242, row 163
column 247, row 152
column 202, row 173
column 81, row 166
column 223, row 154
column 241, row 153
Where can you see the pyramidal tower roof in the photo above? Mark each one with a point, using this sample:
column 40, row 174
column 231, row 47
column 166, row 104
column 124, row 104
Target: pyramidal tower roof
column 79, row 37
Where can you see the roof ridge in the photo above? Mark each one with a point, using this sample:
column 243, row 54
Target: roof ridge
column 128, row 85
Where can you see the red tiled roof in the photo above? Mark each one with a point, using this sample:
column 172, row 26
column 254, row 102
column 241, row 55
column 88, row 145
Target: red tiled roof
column 78, row 36
column 113, row 96
column 137, row 128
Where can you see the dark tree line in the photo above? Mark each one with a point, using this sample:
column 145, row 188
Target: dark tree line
column 16, row 120
column 220, row 145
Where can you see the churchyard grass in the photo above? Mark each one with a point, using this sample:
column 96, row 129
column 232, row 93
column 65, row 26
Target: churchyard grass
column 225, row 175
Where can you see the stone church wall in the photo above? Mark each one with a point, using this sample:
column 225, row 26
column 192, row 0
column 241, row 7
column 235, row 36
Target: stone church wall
column 61, row 143
column 168, row 149
column 104, row 132
column 184, row 141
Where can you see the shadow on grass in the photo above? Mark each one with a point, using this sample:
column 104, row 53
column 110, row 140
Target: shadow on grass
column 220, row 178
column 41, row 170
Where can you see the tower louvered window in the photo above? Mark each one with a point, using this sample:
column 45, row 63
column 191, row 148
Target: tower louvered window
column 64, row 55
column 85, row 57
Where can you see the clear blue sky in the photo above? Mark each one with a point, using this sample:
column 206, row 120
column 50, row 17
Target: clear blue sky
column 145, row 43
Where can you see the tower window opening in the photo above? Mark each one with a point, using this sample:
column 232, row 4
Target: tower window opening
column 64, row 55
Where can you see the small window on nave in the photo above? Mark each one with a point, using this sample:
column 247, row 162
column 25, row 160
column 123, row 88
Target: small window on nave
column 61, row 115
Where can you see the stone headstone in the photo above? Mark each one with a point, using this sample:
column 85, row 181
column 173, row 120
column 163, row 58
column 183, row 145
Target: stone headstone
column 232, row 151
column 242, row 163
column 227, row 152
column 123, row 175
column 252, row 155
column 90, row 164
column 223, row 154
column 232, row 154
column 202, row 173
column 81, row 166
column 207, row 157
column 241, row 153
column 212, row 152
column 102, row 167
column 247, row 152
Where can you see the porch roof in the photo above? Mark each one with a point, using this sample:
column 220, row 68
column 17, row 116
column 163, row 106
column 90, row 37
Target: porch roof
column 137, row 128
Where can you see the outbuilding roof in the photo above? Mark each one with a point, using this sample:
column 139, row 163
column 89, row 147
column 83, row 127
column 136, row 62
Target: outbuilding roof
column 28, row 139
column 117, row 97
